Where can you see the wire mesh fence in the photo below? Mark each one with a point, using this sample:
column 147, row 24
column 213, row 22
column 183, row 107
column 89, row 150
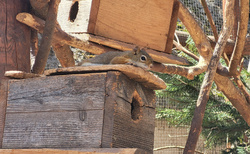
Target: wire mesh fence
column 170, row 139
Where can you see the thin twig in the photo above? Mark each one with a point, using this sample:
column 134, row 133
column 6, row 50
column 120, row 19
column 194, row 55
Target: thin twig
column 211, row 21
column 180, row 47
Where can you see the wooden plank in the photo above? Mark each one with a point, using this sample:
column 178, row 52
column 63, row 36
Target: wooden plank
column 17, row 38
column 74, row 151
column 3, row 29
column 157, row 56
column 57, row 93
column 53, row 129
column 55, row 112
column 22, row 40
column 109, row 109
column 148, row 79
column 172, row 27
column 93, row 16
column 123, row 130
column 144, row 23
column 3, row 105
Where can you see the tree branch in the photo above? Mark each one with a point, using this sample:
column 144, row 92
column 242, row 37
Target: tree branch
column 241, row 37
column 197, row 120
column 43, row 51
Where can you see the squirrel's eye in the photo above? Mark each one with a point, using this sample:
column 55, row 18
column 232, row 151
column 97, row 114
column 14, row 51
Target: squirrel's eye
column 143, row 58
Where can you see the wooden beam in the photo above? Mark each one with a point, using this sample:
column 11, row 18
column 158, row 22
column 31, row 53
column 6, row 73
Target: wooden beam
column 172, row 27
column 136, row 73
column 3, row 106
column 157, row 56
column 14, row 48
column 74, row 151
column 60, row 36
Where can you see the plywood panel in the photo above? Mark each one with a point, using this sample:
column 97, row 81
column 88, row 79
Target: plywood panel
column 141, row 22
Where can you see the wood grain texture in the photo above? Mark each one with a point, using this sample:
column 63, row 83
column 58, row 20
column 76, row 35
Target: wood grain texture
column 75, row 151
column 95, row 110
column 146, row 78
column 14, row 38
column 144, row 23
column 93, row 15
column 172, row 27
column 3, row 29
column 53, row 130
column 3, row 106
column 57, row 93
column 122, row 130
column 55, row 112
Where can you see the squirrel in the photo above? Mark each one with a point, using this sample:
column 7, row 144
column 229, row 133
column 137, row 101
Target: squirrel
column 137, row 57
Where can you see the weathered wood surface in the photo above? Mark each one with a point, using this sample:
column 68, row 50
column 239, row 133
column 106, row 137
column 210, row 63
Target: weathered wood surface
column 20, row 75
column 75, row 151
column 14, row 48
column 67, row 112
column 120, row 128
column 145, row 23
column 79, row 111
column 14, row 37
column 146, row 78
column 3, row 106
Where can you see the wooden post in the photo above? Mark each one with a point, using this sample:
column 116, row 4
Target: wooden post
column 14, row 47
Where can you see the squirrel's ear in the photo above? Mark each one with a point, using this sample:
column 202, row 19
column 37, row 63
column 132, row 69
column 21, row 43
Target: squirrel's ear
column 136, row 50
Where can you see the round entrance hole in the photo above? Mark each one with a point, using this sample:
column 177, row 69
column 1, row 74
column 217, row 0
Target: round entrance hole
column 73, row 11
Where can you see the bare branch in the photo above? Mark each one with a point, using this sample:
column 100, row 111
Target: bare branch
column 43, row 51
column 241, row 37
column 180, row 47
column 196, row 124
column 210, row 19
column 59, row 35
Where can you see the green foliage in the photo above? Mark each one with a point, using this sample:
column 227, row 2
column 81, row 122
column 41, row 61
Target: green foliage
column 221, row 120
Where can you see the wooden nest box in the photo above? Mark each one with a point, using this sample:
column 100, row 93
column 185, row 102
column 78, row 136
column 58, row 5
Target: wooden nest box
column 147, row 23
column 82, row 107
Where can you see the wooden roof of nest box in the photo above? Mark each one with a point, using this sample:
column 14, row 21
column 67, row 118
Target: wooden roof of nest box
column 147, row 23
